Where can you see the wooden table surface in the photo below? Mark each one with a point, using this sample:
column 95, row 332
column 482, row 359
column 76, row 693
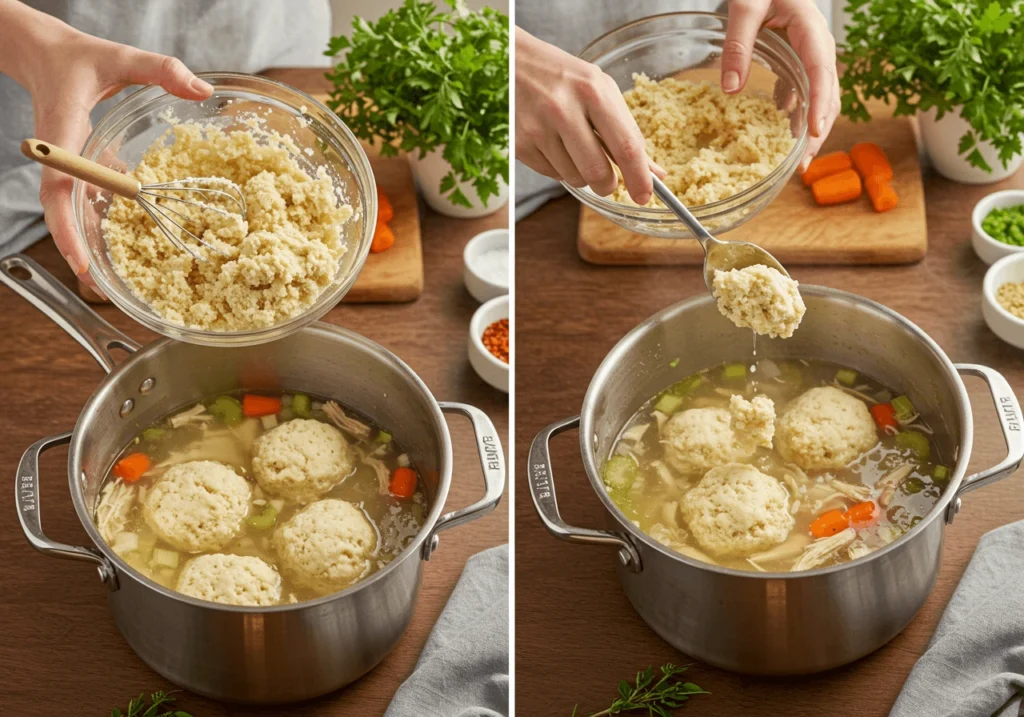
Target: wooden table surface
column 576, row 633
column 60, row 652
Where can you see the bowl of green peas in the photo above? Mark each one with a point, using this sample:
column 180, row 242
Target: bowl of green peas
column 998, row 222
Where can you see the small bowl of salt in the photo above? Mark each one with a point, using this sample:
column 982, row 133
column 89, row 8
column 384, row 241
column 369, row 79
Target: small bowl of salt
column 485, row 262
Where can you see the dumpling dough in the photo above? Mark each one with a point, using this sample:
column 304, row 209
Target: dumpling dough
column 301, row 460
column 825, row 429
column 736, row 511
column 326, row 546
column 197, row 506
column 231, row 579
column 761, row 298
column 699, row 439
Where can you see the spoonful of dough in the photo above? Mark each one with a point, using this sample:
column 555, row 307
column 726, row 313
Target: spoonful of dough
column 752, row 288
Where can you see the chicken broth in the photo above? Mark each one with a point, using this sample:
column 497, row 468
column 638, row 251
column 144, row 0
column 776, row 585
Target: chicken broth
column 890, row 480
column 379, row 482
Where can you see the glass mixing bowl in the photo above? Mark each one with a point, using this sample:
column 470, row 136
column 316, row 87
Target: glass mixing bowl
column 688, row 45
column 134, row 124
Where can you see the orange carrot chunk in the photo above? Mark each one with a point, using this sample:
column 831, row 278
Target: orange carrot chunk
column 870, row 160
column 883, row 196
column 884, row 415
column 825, row 165
column 403, row 483
column 861, row 515
column 255, row 406
column 385, row 212
column 383, row 238
column 837, row 188
column 829, row 523
column 132, row 467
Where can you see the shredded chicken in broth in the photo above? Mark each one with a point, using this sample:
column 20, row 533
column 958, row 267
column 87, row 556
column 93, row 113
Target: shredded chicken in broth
column 848, row 468
column 211, row 500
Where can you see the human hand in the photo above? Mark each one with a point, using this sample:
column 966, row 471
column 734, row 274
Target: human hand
column 68, row 73
column 561, row 101
column 809, row 35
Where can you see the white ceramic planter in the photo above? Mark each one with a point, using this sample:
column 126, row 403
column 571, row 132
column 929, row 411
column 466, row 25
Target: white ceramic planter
column 429, row 172
column 941, row 139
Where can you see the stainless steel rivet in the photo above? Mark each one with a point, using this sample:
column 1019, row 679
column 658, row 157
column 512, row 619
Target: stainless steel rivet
column 127, row 407
column 147, row 386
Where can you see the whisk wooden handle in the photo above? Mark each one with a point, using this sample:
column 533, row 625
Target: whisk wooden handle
column 63, row 161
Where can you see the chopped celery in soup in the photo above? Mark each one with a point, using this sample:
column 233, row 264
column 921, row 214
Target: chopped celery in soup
column 833, row 467
column 234, row 473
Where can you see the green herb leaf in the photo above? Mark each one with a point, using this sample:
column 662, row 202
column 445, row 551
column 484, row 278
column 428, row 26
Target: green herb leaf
column 951, row 55
column 419, row 79
column 654, row 698
column 158, row 706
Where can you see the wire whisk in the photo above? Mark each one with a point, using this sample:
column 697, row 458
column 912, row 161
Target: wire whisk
column 195, row 194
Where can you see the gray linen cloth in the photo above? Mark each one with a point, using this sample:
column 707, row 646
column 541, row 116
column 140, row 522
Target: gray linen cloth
column 463, row 669
column 204, row 34
column 974, row 665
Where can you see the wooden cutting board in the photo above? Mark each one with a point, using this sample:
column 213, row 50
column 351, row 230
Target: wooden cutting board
column 397, row 274
column 795, row 229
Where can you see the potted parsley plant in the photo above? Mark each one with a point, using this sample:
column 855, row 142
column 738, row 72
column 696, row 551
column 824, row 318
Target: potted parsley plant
column 957, row 64
column 432, row 84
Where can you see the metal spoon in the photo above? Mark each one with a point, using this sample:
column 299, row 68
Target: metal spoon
column 718, row 254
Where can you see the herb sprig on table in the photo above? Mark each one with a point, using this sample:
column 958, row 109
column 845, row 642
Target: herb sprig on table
column 943, row 54
column 419, row 79
column 158, row 705
column 657, row 698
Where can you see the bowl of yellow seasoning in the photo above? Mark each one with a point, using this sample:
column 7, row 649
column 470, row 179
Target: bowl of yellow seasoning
column 1003, row 299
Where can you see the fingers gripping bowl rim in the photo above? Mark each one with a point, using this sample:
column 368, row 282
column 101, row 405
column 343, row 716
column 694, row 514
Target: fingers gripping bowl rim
column 689, row 45
column 130, row 128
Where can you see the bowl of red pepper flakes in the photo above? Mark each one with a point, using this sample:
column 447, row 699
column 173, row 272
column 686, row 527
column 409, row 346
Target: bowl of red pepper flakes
column 490, row 342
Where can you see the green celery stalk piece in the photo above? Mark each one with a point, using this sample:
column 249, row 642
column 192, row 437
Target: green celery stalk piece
column 227, row 409
column 619, row 474
column 265, row 520
column 903, row 407
column 302, row 405
column 383, row 437
column 687, row 385
column 915, row 441
column 734, row 371
column 846, row 376
column 153, row 434
column 668, row 403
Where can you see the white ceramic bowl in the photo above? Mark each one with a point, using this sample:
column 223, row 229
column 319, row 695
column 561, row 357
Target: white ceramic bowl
column 988, row 249
column 490, row 368
column 482, row 287
column 1003, row 324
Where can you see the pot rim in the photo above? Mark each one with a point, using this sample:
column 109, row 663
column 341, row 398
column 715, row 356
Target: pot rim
column 626, row 344
column 122, row 567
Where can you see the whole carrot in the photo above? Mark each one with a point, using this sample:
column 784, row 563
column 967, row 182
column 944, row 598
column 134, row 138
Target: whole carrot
column 825, row 165
column 837, row 188
column 869, row 159
column 883, row 196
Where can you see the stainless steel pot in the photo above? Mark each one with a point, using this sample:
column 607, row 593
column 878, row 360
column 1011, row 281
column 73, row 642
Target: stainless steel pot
column 778, row 623
column 256, row 655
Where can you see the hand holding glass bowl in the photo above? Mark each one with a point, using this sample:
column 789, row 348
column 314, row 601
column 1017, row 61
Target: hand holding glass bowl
column 690, row 46
column 131, row 128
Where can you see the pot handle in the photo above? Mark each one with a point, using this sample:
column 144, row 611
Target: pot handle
column 542, row 489
column 1010, row 420
column 492, row 460
column 26, row 499
column 37, row 286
